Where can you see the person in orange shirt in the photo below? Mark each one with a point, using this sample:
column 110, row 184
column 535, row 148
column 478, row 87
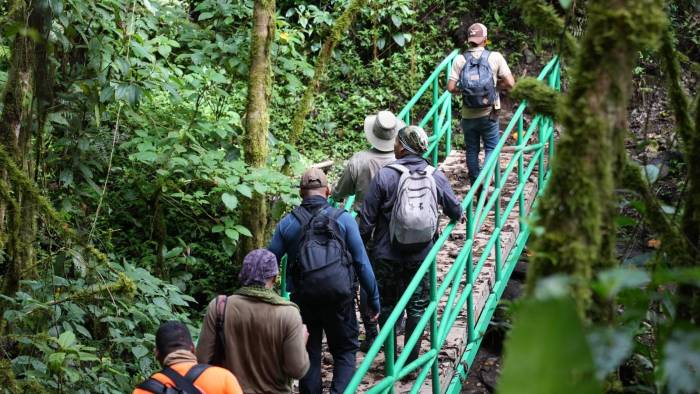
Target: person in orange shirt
column 175, row 352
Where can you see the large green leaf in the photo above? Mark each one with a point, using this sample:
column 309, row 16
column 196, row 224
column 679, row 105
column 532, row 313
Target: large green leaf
column 66, row 339
column 681, row 364
column 230, row 201
column 547, row 352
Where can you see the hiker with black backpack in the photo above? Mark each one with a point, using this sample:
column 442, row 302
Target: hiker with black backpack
column 477, row 75
column 400, row 217
column 181, row 374
column 255, row 333
column 324, row 253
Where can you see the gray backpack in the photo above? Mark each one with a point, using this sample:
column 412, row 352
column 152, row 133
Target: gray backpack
column 414, row 218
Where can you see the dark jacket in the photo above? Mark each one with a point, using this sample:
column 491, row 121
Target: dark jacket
column 379, row 201
column 288, row 236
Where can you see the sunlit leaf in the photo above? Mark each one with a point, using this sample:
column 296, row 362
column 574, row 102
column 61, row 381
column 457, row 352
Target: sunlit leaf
column 230, row 201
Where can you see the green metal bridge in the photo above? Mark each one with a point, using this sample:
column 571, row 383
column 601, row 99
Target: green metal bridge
column 464, row 290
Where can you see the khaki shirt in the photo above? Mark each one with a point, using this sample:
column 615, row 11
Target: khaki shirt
column 500, row 70
column 358, row 174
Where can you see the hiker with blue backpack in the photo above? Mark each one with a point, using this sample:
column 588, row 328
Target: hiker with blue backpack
column 476, row 75
column 324, row 253
column 400, row 218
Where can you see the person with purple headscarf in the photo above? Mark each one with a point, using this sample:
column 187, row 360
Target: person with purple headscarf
column 264, row 337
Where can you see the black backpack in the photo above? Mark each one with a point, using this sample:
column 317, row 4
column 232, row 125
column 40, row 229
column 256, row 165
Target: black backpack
column 183, row 384
column 322, row 273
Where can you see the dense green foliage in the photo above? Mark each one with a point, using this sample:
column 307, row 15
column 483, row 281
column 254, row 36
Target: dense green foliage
column 141, row 154
column 139, row 147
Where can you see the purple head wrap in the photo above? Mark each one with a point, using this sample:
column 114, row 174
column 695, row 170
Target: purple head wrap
column 258, row 267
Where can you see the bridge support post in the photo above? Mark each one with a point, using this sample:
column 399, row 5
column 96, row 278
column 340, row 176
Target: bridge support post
column 521, row 198
column 497, row 218
column 434, row 340
column 470, row 273
column 540, row 161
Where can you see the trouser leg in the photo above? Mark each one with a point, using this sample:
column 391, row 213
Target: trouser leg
column 389, row 290
column 341, row 332
column 471, row 141
column 311, row 382
column 415, row 310
column 489, row 133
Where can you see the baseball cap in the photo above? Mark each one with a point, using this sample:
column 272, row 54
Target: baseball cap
column 477, row 33
column 313, row 178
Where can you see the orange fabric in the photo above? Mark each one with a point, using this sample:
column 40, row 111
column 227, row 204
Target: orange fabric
column 214, row 380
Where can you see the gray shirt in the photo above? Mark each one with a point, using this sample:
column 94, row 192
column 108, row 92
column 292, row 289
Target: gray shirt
column 358, row 174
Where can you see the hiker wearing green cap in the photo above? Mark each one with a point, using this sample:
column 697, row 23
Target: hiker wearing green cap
column 400, row 218
column 380, row 132
column 476, row 75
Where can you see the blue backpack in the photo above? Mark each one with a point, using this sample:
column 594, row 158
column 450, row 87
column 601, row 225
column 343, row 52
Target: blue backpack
column 476, row 80
column 323, row 272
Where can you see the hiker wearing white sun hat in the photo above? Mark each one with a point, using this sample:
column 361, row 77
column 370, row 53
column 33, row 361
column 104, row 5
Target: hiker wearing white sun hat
column 380, row 132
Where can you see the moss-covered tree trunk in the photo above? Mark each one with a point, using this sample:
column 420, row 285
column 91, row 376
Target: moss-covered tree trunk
column 341, row 26
column 25, row 103
column 255, row 209
column 576, row 211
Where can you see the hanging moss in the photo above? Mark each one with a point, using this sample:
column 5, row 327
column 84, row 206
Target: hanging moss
column 575, row 212
column 541, row 98
column 341, row 26
column 30, row 191
column 123, row 286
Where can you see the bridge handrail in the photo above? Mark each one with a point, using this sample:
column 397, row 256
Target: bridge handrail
column 395, row 369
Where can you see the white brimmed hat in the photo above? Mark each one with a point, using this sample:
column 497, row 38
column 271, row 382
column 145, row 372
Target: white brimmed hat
column 381, row 129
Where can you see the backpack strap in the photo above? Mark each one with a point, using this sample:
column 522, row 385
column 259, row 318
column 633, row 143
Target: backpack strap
column 429, row 170
column 402, row 169
column 195, row 372
column 304, row 216
column 152, row 386
column 181, row 382
column 485, row 55
column 220, row 344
